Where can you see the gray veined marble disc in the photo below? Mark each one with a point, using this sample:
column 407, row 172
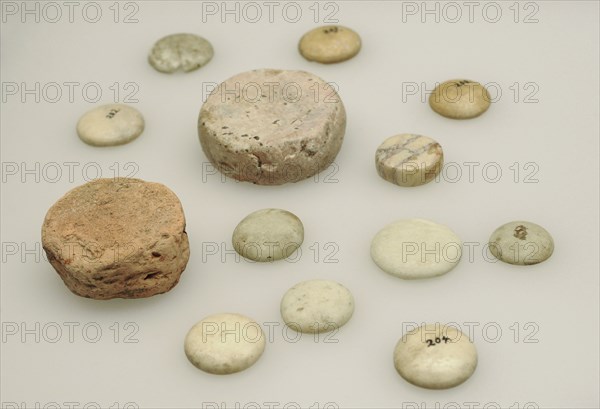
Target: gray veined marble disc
column 409, row 159
column 224, row 343
column 184, row 51
column 435, row 357
column 271, row 127
column 416, row 248
column 460, row 99
column 522, row 243
column 109, row 125
column 329, row 44
column 317, row 306
column 268, row 235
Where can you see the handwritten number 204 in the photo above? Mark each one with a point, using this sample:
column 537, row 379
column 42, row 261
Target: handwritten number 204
column 432, row 343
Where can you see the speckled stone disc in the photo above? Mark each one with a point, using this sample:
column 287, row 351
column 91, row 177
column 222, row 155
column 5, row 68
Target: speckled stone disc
column 329, row 44
column 435, row 357
column 317, row 306
column 186, row 52
column 268, row 235
column 224, row 343
column 109, row 125
column 460, row 99
column 271, row 127
column 409, row 160
column 416, row 248
column 522, row 243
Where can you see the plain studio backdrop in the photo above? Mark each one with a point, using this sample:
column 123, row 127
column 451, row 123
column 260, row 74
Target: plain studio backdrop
column 532, row 156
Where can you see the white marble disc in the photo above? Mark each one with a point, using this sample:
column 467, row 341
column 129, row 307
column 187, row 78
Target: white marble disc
column 109, row 125
column 435, row 357
column 224, row 343
column 317, row 306
column 416, row 248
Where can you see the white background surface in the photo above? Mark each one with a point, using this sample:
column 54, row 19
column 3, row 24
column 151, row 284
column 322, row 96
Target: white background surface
column 555, row 303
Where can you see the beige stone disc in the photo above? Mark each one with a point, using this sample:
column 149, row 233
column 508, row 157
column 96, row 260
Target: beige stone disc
column 522, row 243
column 435, row 357
column 110, row 125
column 224, row 343
column 460, row 99
column 317, row 306
column 329, row 44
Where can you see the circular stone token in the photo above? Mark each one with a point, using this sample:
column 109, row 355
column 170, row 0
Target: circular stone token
column 460, row 99
column 317, row 306
column 109, row 125
column 271, row 126
column 224, row 343
column 409, row 160
column 521, row 243
column 416, row 248
column 435, row 357
column 268, row 235
column 180, row 51
column 329, row 44
column 117, row 238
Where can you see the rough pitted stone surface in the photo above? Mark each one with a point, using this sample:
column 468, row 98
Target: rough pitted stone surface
column 110, row 125
column 460, row 99
column 317, row 306
column 271, row 127
column 224, row 343
column 409, row 160
column 329, row 44
column 521, row 242
column 435, row 356
column 117, row 238
column 184, row 51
